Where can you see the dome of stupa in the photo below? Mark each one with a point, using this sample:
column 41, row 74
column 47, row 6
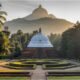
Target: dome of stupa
column 40, row 40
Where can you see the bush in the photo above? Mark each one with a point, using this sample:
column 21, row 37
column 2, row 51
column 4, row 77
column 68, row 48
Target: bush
column 20, row 65
column 58, row 66
column 4, row 56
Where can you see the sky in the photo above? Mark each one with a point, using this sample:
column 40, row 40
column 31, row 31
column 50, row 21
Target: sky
column 66, row 9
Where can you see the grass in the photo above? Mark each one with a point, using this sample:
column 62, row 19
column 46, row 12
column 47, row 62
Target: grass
column 3, row 70
column 14, row 78
column 40, row 60
column 64, row 78
column 16, row 62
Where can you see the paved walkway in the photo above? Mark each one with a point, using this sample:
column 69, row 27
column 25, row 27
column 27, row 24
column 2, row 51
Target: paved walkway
column 38, row 74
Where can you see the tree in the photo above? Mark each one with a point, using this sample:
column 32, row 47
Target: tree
column 70, row 43
column 4, row 40
column 17, row 52
column 4, row 44
column 55, row 40
column 3, row 15
column 21, row 38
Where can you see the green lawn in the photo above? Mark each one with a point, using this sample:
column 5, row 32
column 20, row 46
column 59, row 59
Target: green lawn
column 64, row 78
column 14, row 78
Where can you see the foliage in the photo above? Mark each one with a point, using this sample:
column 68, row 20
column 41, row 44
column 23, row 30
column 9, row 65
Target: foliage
column 70, row 44
column 22, row 39
column 4, row 40
column 4, row 44
column 2, row 19
column 19, row 41
column 55, row 40
column 20, row 65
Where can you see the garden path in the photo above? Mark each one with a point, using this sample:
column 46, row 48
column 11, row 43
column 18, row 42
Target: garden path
column 38, row 74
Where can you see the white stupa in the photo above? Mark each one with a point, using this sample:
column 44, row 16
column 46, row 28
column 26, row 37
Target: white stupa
column 40, row 41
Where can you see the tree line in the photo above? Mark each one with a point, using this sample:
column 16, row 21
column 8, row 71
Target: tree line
column 67, row 43
column 70, row 43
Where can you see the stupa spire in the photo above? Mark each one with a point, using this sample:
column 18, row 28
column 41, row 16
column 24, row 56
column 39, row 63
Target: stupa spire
column 40, row 30
column 40, row 6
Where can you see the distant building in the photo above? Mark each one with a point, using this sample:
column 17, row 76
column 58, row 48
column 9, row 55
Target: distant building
column 38, row 47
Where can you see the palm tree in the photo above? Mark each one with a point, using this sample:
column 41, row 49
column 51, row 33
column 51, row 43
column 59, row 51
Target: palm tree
column 2, row 19
column 3, row 15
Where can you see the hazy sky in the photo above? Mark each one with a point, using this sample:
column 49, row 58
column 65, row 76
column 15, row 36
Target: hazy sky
column 67, row 9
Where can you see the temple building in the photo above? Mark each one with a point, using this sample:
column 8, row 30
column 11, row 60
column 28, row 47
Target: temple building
column 38, row 47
